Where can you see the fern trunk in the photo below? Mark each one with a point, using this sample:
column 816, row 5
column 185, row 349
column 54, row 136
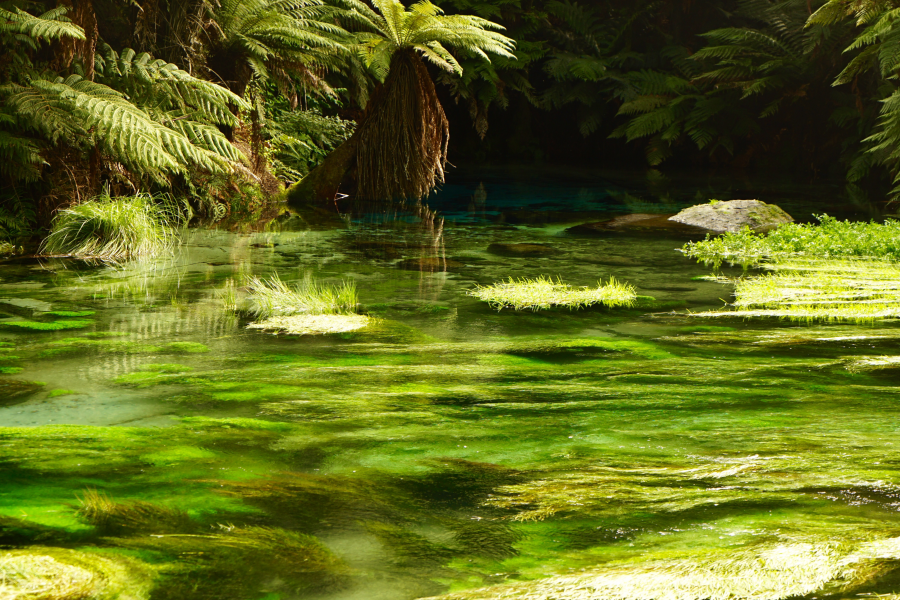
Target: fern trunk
column 399, row 150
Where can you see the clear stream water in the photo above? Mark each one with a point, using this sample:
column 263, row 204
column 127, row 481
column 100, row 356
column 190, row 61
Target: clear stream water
column 450, row 449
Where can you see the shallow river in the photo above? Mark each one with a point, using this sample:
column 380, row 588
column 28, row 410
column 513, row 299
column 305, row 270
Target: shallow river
column 149, row 438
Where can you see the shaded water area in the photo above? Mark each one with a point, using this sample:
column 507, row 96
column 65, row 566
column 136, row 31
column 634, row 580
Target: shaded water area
column 449, row 449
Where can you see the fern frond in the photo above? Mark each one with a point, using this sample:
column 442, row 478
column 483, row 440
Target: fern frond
column 51, row 25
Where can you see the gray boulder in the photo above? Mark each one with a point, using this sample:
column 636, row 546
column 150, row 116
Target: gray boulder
column 734, row 215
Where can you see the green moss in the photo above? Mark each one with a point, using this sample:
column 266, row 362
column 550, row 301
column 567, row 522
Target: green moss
column 61, row 392
column 105, row 334
column 178, row 454
column 185, row 348
column 70, row 313
column 48, row 326
column 102, row 345
column 10, row 370
column 617, row 345
column 166, row 368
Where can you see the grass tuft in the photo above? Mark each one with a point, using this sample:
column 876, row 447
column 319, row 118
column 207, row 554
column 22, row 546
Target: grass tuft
column 543, row 292
column 114, row 228
column 274, row 298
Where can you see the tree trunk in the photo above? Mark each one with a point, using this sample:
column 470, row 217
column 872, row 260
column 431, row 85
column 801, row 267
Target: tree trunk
column 322, row 183
column 399, row 149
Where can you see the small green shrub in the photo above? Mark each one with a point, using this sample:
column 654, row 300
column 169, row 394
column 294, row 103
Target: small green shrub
column 274, row 298
column 114, row 228
column 543, row 292
column 829, row 239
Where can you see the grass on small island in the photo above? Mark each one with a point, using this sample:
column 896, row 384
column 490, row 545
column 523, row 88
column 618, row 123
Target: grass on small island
column 846, row 290
column 829, row 239
column 274, row 298
column 836, row 270
column 114, row 228
column 543, row 292
column 305, row 308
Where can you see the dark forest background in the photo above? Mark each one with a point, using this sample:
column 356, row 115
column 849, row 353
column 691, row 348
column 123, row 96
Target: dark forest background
column 227, row 101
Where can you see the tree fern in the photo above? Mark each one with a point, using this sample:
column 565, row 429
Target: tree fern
column 82, row 113
column 28, row 29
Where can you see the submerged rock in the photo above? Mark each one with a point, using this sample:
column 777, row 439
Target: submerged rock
column 14, row 391
column 532, row 250
column 734, row 215
column 55, row 573
column 430, row 263
column 637, row 222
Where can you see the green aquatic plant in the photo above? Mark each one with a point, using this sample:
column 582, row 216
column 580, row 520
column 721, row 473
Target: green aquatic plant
column 69, row 313
column 61, row 392
column 543, row 292
column 185, row 348
column 120, row 518
column 49, row 326
column 274, row 298
column 829, row 238
column 114, row 228
column 850, row 290
column 10, row 370
column 242, row 561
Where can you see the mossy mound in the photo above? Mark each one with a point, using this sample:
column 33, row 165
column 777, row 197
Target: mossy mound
column 313, row 324
column 48, row 325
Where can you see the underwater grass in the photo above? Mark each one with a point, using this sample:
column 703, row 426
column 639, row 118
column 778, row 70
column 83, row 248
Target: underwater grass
column 829, row 238
column 118, row 518
column 542, row 292
column 274, row 298
column 114, row 228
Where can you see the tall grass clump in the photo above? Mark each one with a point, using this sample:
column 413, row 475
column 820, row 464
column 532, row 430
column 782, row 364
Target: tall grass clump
column 115, row 228
column 542, row 292
column 829, row 238
column 274, row 298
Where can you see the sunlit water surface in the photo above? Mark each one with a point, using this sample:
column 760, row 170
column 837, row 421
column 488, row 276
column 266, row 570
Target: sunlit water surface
column 450, row 447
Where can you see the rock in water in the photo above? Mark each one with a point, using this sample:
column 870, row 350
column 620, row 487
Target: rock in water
column 527, row 250
column 734, row 215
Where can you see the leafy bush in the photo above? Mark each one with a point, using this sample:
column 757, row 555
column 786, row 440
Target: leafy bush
column 829, row 239
column 304, row 138
column 114, row 228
